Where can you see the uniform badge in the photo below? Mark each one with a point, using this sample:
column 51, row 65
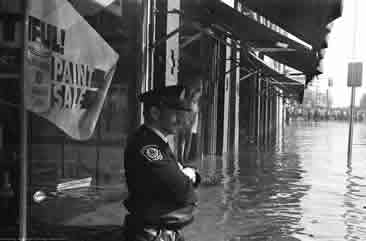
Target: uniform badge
column 152, row 153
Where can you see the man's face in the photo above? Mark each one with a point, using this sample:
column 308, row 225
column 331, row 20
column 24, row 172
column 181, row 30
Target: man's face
column 170, row 120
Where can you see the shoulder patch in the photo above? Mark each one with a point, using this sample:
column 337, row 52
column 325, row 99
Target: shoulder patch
column 152, row 153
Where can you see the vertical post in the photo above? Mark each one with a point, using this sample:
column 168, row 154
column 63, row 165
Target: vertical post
column 327, row 114
column 214, row 96
column 203, row 117
column 266, row 113
column 253, row 107
column 147, row 37
column 237, row 109
column 172, row 44
column 270, row 110
column 152, row 38
column 283, row 112
column 213, row 106
column 329, row 108
column 351, row 78
column 172, row 55
column 227, row 109
column 23, row 158
column 259, row 88
column 350, row 134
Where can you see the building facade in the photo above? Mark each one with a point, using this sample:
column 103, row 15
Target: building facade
column 231, row 52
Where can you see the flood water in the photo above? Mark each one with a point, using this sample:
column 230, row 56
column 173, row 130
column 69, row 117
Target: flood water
column 302, row 188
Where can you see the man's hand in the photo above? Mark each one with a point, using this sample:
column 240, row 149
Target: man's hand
column 180, row 166
column 190, row 172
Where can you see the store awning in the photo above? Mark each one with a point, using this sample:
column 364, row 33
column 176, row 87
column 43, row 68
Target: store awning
column 306, row 19
column 218, row 16
column 290, row 86
column 221, row 17
column 306, row 62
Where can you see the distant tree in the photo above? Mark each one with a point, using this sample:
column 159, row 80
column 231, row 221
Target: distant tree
column 363, row 102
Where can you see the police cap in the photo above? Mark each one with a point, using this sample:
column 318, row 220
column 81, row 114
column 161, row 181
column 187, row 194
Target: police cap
column 170, row 96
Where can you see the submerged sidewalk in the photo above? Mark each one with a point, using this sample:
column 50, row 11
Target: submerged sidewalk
column 83, row 215
column 73, row 220
column 77, row 215
column 66, row 233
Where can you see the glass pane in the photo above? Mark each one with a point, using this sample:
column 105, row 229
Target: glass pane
column 44, row 166
column 100, row 156
column 114, row 118
column 79, row 162
column 111, row 171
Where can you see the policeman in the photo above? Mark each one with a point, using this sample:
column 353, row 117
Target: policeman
column 162, row 195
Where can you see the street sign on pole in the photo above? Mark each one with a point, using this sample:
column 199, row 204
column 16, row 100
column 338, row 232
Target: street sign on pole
column 350, row 133
column 354, row 80
column 354, row 74
column 330, row 82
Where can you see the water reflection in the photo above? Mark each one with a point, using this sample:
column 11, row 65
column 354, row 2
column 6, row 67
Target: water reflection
column 354, row 203
column 298, row 189
column 257, row 198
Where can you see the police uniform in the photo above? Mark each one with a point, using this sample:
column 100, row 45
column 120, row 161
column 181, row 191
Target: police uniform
column 156, row 183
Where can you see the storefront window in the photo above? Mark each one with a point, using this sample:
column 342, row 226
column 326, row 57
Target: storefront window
column 57, row 158
column 79, row 162
column 45, row 166
column 111, row 171
column 114, row 118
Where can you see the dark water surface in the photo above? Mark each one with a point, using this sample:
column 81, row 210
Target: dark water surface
column 302, row 188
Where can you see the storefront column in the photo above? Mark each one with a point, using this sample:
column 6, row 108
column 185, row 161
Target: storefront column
column 266, row 110
column 253, row 107
column 147, row 37
column 263, row 111
column 172, row 53
column 202, row 131
column 236, row 97
column 172, row 44
column 227, row 94
column 274, row 111
column 212, row 104
column 258, row 110
column 273, row 114
column 269, row 112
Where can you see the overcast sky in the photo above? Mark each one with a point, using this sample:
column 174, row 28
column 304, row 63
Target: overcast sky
column 340, row 49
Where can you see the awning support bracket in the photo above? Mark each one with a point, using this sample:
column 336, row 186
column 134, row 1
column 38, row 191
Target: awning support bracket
column 195, row 25
column 286, row 83
column 166, row 37
column 248, row 75
column 206, row 31
column 195, row 37
column 235, row 67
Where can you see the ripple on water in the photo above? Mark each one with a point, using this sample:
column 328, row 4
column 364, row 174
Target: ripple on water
column 299, row 189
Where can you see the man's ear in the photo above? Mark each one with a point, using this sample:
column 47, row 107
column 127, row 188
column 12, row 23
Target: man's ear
column 155, row 113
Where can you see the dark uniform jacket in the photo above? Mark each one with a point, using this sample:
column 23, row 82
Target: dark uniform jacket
column 155, row 182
